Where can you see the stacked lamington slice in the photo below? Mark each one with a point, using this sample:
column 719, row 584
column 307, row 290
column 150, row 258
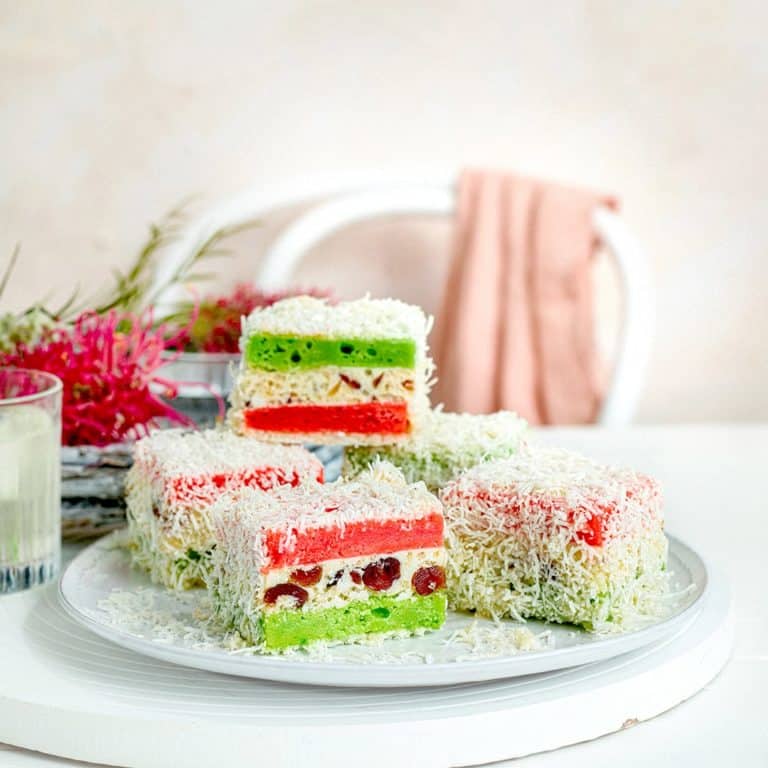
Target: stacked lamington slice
column 174, row 481
column 331, row 563
column 551, row 535
column 354, row 373
column 448, row 444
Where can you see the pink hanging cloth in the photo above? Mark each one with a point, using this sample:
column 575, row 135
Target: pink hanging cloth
column 515, row 330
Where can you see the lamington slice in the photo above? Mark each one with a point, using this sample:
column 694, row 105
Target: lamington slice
column 175, row 479
column 333, row 564
column 448, row 444
column 356, row 372
column 551, row 535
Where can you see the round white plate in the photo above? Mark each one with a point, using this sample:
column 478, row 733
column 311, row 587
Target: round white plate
column 100, row 590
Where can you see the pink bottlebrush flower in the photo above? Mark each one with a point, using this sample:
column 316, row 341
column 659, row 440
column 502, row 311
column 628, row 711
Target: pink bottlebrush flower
column 107, row 364
column 216, row 327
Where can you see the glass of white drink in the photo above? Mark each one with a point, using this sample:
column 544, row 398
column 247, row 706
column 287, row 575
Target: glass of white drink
column 30, row 496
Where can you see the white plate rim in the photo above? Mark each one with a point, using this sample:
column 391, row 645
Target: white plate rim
column 396, row 675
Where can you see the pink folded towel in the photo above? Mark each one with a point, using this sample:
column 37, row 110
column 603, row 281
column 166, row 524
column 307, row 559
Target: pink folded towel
column 515, row 329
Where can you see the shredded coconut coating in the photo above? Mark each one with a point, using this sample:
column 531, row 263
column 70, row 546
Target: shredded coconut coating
column 176, row 452
column 176, row 477
column 447, row 444
column 516, row 542
column 239, row 560
column 364, row 318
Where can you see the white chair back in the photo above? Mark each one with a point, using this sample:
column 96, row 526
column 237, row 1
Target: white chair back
column 357, row 198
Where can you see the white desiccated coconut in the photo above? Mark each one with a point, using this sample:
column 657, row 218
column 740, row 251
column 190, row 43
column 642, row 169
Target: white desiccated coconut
column 360, row 319
column 456, row 433
column 488, row 640
column 174, row 452
column 542, row 470
column 446, row 444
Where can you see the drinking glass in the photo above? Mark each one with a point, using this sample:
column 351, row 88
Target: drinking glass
column 30, row 472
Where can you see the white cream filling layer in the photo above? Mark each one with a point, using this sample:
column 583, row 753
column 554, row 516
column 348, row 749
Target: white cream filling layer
column 329, row 385
column 327, row 595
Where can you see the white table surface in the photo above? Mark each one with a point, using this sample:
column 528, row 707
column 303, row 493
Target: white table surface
column 710, row 475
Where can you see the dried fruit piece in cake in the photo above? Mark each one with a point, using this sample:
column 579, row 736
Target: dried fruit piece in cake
column 447, row 444
column 333, row 564
column 175, row 479
column 356, row 372
column 551, row 535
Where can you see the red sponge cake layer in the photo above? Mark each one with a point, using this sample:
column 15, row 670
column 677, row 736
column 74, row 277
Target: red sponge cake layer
column 358, row 418
column 366, row 537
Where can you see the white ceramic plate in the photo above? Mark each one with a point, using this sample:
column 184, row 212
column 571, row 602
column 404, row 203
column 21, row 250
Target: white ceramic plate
column 100, row 590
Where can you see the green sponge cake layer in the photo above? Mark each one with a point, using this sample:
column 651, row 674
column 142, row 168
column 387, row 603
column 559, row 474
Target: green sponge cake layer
column 286, row 353
column 380, row 613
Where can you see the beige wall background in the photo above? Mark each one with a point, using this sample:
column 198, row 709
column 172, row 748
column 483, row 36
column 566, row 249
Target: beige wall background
column 111, row 112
